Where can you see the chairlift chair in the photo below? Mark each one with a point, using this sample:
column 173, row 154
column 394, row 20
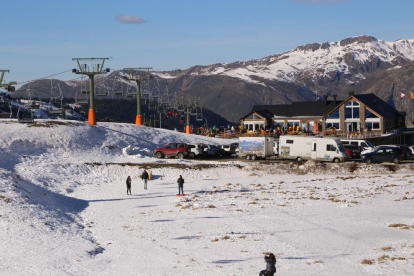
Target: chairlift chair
column 145, row 89
column 180, row 107
column 117, row 88
column 193, row 111
column 31, row 103
column 165, row 99
column 79, row 99
column 155, row 93
column 152, row 105
column 101, row 91
column 34, row 105
column 5, row 109
column 199, row 117
column 24, row 115
column 131, row 92
column 56, row 99
column 84, row 86
column 182, row 119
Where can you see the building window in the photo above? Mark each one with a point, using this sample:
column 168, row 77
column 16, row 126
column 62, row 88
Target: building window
column 289, row 141
column 334, row 115
column 369, row 114
column 332, row 125
column 372, row 125
column 278, row 124
column 293, row 123
column 352, row 110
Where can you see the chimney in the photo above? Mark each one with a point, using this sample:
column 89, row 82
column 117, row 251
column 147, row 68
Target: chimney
column 351, row 93
column 334, row 96
column 326, row 98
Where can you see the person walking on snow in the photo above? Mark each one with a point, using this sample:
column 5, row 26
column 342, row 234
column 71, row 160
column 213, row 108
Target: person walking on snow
column 270, row 265
column 180, row 182
column 144, row 177
column 128, row 182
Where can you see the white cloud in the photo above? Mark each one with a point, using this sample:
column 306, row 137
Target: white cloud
column 128, row 19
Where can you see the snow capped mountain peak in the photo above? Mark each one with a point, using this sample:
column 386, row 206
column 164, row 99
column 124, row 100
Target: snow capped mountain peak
column 352, row 57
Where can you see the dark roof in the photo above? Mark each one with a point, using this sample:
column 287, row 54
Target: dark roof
column 377, row 105
column 297, row 109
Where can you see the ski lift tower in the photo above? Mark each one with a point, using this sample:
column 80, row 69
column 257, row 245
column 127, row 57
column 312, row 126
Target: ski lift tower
column 189, row 107
column 91, row 67
column 138, row 75
column 8, row 86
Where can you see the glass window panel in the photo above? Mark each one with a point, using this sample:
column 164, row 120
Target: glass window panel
column 369, row 114
column 348, row 113
column 376, row 125
column 334, row 115
column 355, row 112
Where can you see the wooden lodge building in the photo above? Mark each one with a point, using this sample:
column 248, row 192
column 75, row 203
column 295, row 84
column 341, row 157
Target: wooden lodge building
column 358, row 116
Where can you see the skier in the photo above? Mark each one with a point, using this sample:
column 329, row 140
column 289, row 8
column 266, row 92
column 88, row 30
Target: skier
column 128, row 183
column 144, row 177
column 270, row 265
column 180, row 182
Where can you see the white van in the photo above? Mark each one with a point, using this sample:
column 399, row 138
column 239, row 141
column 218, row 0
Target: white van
column 364, row 144
column 311, row 148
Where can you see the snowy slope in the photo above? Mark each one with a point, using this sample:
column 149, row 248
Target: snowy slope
column 64, row 209
column 316, row 60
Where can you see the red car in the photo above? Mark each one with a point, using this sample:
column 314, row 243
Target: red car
column 180, row 150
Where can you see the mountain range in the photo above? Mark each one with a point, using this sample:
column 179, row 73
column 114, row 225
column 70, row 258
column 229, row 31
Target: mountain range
column 363, row 64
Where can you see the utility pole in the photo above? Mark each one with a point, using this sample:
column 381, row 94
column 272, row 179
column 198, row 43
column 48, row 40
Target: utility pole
column 143, row 74
column 8, row 86
column 94, row 69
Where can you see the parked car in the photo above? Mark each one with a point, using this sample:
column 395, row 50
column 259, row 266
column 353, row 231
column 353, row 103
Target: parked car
column 179, row 150
column 383, row 154
column 406, row 150
column 211, row 151
column 355, row 150
column 195, row 150
column 228, row 150
column 364, row 144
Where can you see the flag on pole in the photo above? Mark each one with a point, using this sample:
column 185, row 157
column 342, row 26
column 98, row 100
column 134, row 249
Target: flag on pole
column 412, row 95
column 402, row 95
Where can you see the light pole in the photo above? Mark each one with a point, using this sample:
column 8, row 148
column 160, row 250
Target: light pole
column 91, row 71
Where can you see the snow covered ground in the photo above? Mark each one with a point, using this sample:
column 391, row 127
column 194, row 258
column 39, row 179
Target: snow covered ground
column 64, row 208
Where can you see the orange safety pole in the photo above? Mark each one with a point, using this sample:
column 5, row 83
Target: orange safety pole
column 188, row 129
column 91, row 116
column 138, row 120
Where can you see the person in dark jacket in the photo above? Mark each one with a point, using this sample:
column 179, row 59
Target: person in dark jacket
column 128, row 182
column 270, row 265
column 180, row 182
column 145, row 177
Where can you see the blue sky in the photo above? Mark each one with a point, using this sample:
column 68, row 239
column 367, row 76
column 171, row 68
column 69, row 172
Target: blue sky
column 40, row 38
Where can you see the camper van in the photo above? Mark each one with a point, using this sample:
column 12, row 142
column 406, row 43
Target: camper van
column 311, row 148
